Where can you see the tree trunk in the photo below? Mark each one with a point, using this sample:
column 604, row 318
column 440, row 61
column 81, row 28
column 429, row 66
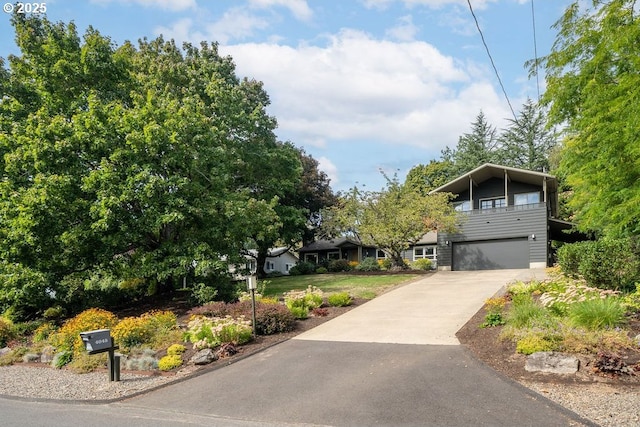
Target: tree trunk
column 260, row 261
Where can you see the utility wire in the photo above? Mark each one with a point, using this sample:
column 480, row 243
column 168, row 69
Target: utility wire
column 535, row 48
column 491, row 59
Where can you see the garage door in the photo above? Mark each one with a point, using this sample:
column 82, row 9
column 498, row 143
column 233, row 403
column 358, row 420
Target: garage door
column 491, row 254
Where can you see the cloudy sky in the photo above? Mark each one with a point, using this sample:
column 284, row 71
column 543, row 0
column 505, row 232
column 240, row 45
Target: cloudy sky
column 362, row 85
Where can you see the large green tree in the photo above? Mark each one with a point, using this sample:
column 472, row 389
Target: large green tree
column 475, row 148
column 143, row 164
column 393, row 218
column 424, row 178
column 527, row 142
column 593, row 88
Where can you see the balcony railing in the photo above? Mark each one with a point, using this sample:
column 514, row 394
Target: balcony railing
column 506, row 208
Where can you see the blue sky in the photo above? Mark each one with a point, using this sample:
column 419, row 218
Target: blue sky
column 362, row 85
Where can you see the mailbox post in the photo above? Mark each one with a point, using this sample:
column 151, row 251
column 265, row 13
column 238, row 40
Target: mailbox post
column 252, row 284
column 100, row 341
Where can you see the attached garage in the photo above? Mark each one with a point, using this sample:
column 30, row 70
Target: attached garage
column 490, row 254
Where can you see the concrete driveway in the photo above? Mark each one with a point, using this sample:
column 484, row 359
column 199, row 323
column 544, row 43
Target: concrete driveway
column 393, row 361
column 427, row 311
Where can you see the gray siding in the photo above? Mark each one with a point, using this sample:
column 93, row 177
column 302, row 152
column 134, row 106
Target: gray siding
column 494, row 187
column 512, row 222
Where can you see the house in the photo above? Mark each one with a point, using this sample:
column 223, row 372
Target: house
column 279, row 260
column 510, row 220
column 347, row 248
column 426, row 247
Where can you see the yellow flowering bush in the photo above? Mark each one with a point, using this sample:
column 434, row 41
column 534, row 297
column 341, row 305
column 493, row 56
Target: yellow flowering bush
column 169, row 362
column 68, row 337
column 132, row 331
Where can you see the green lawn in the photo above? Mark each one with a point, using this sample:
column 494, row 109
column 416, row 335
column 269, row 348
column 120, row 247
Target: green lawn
column 358, row 286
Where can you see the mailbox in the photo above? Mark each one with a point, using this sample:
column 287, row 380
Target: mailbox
column 98, row 341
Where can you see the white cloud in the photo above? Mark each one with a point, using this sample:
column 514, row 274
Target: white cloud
column 235, row 24
column 299, row 8
column 172, row 5
column 356, row 88
column 404, row 31
column 434, row 4
column 325, row 165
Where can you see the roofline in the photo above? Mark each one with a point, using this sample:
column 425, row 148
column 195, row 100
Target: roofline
column 491, row 166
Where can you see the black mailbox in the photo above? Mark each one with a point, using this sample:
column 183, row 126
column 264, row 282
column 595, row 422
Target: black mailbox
column 98, row 341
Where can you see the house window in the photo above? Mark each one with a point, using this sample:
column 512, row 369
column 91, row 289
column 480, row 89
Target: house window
column 270, row 266
column 526, row 198
column 421, row 252
column 380, row 254
column 311, row 258
column 462, row 206
column 493, row 203
column 333, row 255
column 287, row 267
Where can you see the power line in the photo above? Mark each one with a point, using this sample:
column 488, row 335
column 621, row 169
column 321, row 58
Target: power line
column 491, row 59
column 535, row 48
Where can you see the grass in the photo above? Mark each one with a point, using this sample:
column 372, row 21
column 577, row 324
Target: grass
column 367, row 287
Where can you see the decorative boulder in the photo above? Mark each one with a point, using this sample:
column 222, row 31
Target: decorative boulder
column 46, row 356
column 552, row 362
column 204, row 357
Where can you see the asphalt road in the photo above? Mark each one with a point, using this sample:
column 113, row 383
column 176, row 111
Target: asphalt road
column 316, row 380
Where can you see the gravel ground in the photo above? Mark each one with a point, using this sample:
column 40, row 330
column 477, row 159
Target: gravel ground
column 604, row 404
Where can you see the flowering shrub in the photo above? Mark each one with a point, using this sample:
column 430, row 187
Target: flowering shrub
column 206, row 332
column 559, row 301
column 271, row 316
column 132, row 331
column 44, row 331
column 311, row 297
column 6, row 331
column 422, row 264
column 68, row 337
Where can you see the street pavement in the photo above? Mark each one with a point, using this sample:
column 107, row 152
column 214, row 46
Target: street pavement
column 394, row 361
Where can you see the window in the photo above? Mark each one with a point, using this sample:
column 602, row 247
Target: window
column 380, row 254
column 493, row 203
column 421, row 252
column 462, row 206
column 287, row 267
column 333, row 255
column 526, row 198
column 311, row 258
column 270, row 266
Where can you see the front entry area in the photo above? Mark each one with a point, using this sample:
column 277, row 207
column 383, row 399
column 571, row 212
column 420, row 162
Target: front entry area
column 491, row 254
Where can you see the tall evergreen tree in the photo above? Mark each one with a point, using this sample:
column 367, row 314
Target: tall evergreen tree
column 527, row 143
column 474, row 148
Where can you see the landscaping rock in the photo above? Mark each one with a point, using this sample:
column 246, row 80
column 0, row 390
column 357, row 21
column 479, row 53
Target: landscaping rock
column 552, row 362
column 204, row 357
column 4, row 351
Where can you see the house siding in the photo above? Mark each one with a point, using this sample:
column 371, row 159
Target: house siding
column 494, row 187
column 503, row 223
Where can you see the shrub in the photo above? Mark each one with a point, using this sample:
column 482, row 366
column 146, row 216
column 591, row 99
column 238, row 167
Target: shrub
column 320, row 312
column 61, row 359
column 321, row 270
column 202, row 293
column 53, row 313
column 310, row 298
column 84, row 363
column 299, row 312
column 176, row 349
column 142, row 360
column 44, row 331
column 338, row 265
column 6, row 331
column 386, row 263
column 302, row 268
column 368, row 264
column 170, row 362
column 340, row 299
column 597, row 313
column 611, row 364
column 132, row 331
column 606, row 263
column 534, row 343
column 205, row 332
column 492, row 319
column 271, row 318
column 422, row 264
column 68, row 336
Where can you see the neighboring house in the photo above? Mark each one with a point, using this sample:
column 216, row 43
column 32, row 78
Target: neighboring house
column 426, row 247
column 347, row 248
column 279, row 260
column 510, row 220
